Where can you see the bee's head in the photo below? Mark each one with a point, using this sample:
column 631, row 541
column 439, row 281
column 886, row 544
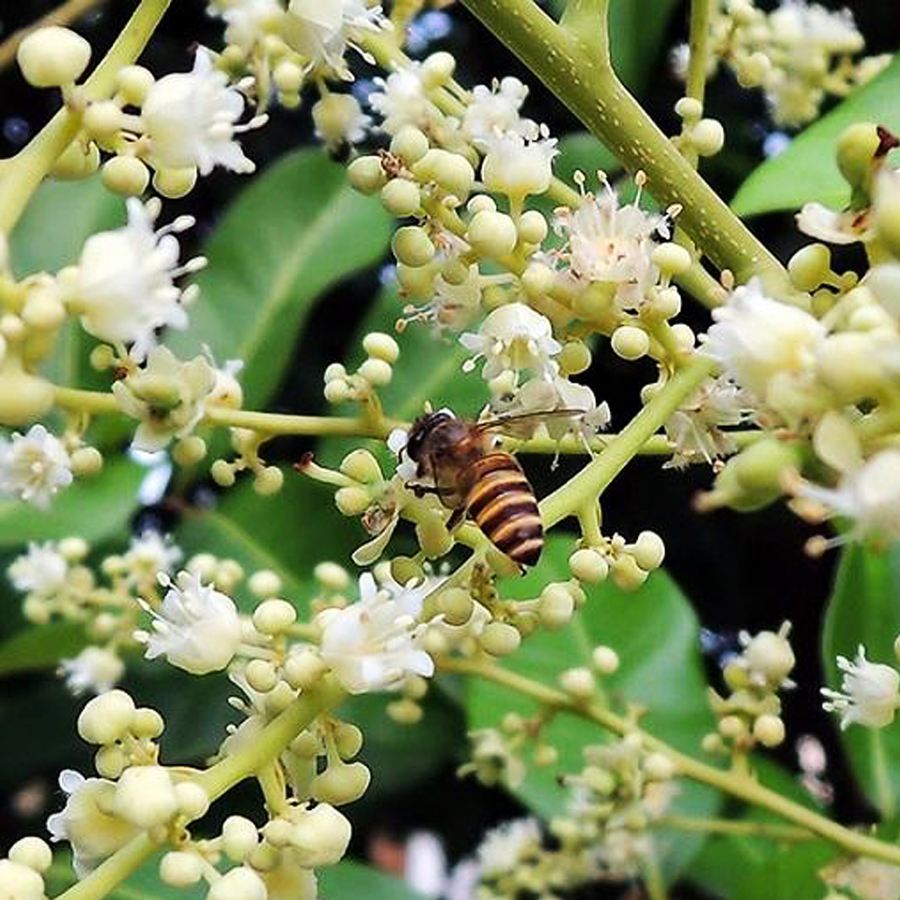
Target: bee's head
column 422, row 428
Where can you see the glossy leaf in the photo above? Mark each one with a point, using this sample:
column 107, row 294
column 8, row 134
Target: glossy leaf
column 293, row 232
column 864, row 610
column 49, row 236
column 775, row 184
column 41, row 647
column 759, row 867
column 655, row 633
column 93, row 508
column 351, row 880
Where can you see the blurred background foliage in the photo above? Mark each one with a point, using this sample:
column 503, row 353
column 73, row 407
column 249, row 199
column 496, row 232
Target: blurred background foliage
column 298, row 273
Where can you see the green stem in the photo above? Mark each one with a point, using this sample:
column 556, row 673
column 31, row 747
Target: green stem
column 27, row 169
column 741, row 786
column 594, row 477
column 698, row 43
column 887, row 802
column 773, row 830
column 264, row 750
column 582, row 78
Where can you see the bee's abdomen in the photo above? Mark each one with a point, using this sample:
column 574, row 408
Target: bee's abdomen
column 503, row 505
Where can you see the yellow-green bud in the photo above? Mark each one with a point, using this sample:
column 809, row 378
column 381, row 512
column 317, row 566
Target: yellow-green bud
column 348, row 739
column 658, row 767
column 588, row 565
column 279, row 698
column 412, row 246
column 405, row 711
column 688, row 108
column 556, row 606
column 648, row 550
column 732, row 727
column 73, row 549
column 268, row 481
column 134, row 83
column 180, row 869
column 125, row 175
column 53, row 56
column 261, row 675
column 627, row 574
column 332, row 576
column 856, row 151
column 532, row 227
column 409, row 144
column 708, row 137
column 630, row 342
column 239, row 883
column 381, row 346
column 850, row 365
column 500, row 639
column 537, row 280
column 175, row 183
column 352, row 501
column 145, row 796
column 456, row 604
column 102, row 357
column 481, row 202
column 239, row 838
column 222, row 473
column 273, row 616
column 77, row 161
column 578, row 682
column 492, row 234
column 376, row 371
column 340, row 784
column 193, row 801
column 86, row 461
column 574, row 358
column 106, row 718
column 287, row 76
column 102, row 121
column 110, row 761
column 43, row 310
column 545, row 755
column 810, row 266
column 366, row 174
column 671, row 259
column 360, row 465
column 417, row 280
column 264, row 584
column 453, row 173
column 336, row 391
column 404, row 569
column 605, row 660
column 189, row 450
column 401, row 198
column 31, row 852
column 303, row 668
column 433, row 537
column 438, row 68
column 769, row 730
column 147, row 723
column 23, row 397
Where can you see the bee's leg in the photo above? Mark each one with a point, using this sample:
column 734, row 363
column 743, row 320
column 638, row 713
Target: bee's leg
column 455, row 519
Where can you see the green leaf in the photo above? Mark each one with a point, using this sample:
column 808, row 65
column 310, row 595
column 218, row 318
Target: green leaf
column 41, row 647
column 93, row 508
column 294, row 232
column 61, row 216
column 756, row 867
column 655, row 633
column 775, row 185
column 863, row 610
column 350, row 880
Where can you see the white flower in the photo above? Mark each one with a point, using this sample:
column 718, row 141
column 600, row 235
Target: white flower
column 517, row 167
column 322, row 30
column 190, row 119
column 92, row 832
column 339, row 120
column 495, row 110
column 375, row 643
column 869, row 692
column 611, row 244
column 870, row 495
column 403, row 101
column 168, row 396
column 123, row 285
column 453, row 306
column 150, row 554
column 197, row 628
column 248, row 21
column 505, row 847
column 845, row 227
column 34, row 466
column 756, row 339
column 406, row 467
column 94, row 669
column 514, row 337
column 41, row 571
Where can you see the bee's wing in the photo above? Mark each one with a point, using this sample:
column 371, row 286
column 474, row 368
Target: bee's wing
column 520, row 424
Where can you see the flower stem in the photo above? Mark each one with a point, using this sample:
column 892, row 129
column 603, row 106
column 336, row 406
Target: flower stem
column 698, row 43
column 742, row 786
column 773, row 830
column 22, row 174
column 582, row 78
column 262, row 752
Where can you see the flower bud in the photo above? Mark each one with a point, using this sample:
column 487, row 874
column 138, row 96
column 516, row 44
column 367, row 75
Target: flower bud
column 438, row 68
column 23, row 397
column 341, row 783
column 401, row 198
column 381, row 346
column 605, row 660
column 188, row 451
column 222, row 473
column 332, row 577
column 732, row 727
column 110, row 761
column 630, row 342
column 348, row 739
column 556, row 607
column 134, row 83
column 43, row 310
column 688, row 108
column 366, row 174
column 352, row 501
column 404, row 569
column 305, row 745
column 574, row 358
column 106, row 718
column 588, row 565
column 658, row 767
column 770, row 654
column 145, row 796
column 268, row 481
column 261, row 675
column 532, row 227
column 850, row 365
column 361, row 465
column 31, row 852
column 500, row 639
column 410, row 144
column 599, row 780
column 86, row 461
column 405, row 711
column 303, row 668
column 708, row 137
column 288, row 77
column 417, row 281
column 273, row 616
column 264, row 583
column 337, row 391
column 578, row 682
column 335, row 116
column 481, row 202
column 238, row 884
column 53, row 56
column 456, row 604
column 453, row 173
column 180, row 869
column 627, row 574
column 20, row 882
column 102, row 121
column 412, row 246
column 193, row 801
column 280, row 698
column 671, row 259
column 174, row 183
column 433, row 537
column 492, row 234
column 545, row 755
column 239, row 838
column 376, row 371
column 769, row 730
column 321, row 836
column 810, row 266
column 856, row 151
column 648, row 550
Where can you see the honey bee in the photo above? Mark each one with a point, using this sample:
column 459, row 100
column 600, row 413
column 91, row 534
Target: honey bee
column 472, row 477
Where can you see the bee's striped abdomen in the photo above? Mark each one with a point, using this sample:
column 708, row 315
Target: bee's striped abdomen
column 503, row 505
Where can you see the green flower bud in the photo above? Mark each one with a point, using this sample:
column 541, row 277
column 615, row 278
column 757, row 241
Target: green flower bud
column 658, row 767
column 352, row 501
column 341, row 783
column 769, row 730
column 134, row 83
column 453, row 173
column 708, row 137
column 366, row 174
column 556, row 607
column 537, row 280
column 648, row 551
column 381, row 346
column 404, row 569
column 492, row 234
column 188, row 451
column 180, row 869
column 850, row 365
column 410, row 144
column 532, row 227
column 261, row 675
column 630, row 342
column 605, row 660
column 147, row 723
column 106, row 718
column 456, row 604
column 412, row 246
column 126, row 176
column 53, row 56
column 268, row 481
column 376, row 371
column 174, row 183
column 86, row 462
column 193, row 801
column 360, row 465
column 349, row 740
column 31, row 852
column 671, row 259
column 239, row 838
column 23, row 397
column 110, row 761
column 578, row 682
column 500, row 639
column 222, row 473
column 145, row 796
column 752, row 479
column 333, row 577
column 627, row 574
column 588, row 565
column 858, row 150
column 401, row 198
column 810, row 266
column 274, row 616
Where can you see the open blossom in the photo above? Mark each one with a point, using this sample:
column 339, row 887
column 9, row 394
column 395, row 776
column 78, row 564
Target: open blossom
column 505, row 847
column 323, row 30
column 123, row 286
column 34, row 466
column 495, row 111
column 518, row 167
column 869, row 692
column 403, row 100
column 611, row 244
column 191, row 120
column 514, row 337
column 197, row 628
column 870, row 495
column 756, row 338
column 41, row 571
column 95, row 669
column 85, row 821
column 247, row 21
column 376, row 643
column 168, row 396
column 149, row 554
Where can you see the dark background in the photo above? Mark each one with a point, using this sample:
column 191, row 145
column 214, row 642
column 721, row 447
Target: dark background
column 740, row 571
